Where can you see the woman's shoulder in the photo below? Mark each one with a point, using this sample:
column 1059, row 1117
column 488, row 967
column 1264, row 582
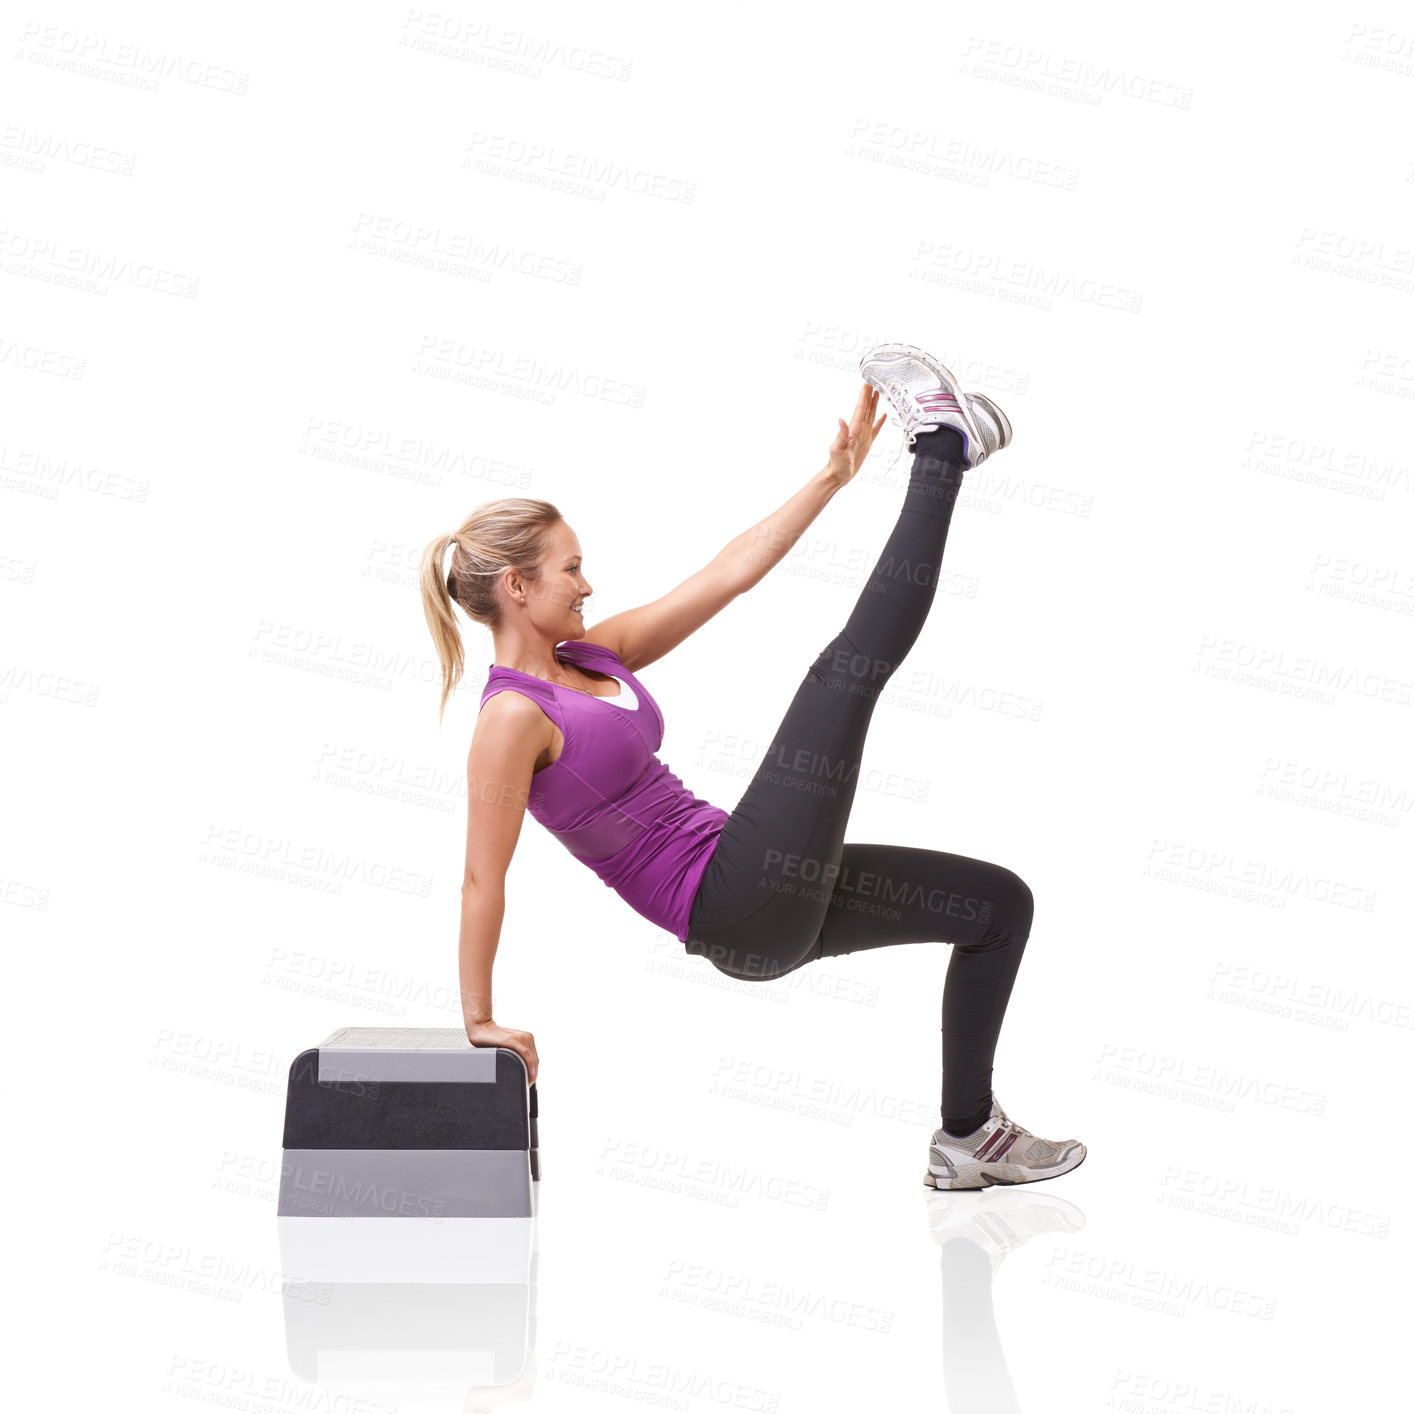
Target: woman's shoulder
column 508, row 689
column 511, row 696
column 515, row 705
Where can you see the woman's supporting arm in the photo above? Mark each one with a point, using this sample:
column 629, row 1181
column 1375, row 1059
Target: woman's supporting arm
column 511, row 733
column 642, row 635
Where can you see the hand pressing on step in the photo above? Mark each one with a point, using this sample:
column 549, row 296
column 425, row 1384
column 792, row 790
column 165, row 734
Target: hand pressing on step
column 488, row 1033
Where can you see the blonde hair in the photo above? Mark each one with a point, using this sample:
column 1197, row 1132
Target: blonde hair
column 510, row 533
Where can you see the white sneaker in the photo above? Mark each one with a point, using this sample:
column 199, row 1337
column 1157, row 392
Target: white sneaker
column 925, row 396
column 998, row 1152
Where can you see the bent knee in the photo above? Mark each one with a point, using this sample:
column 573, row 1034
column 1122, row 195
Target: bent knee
column 1015, row 904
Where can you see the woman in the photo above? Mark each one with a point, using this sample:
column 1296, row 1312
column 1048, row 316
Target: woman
column 567, row 731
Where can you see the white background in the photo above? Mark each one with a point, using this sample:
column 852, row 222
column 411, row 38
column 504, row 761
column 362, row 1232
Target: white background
column 1167, row 679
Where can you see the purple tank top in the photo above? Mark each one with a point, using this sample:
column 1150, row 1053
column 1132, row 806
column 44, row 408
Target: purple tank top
column 609, row 799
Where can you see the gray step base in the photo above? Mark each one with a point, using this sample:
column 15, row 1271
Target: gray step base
column 406, row 1183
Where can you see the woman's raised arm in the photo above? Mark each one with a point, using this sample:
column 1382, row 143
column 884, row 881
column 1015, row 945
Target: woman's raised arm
column 642, row 635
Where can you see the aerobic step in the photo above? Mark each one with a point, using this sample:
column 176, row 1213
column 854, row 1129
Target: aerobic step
column 400, row 1121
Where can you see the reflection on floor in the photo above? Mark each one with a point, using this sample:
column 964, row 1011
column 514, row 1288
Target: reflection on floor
column 976, row 1231
column 419, row 1311
column 412, row 1310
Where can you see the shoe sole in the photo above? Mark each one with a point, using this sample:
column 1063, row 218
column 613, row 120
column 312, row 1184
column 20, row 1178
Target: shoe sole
column 974, row 1176
column 916, row 355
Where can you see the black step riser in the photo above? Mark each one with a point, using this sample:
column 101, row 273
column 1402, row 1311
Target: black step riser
column 408, row 1115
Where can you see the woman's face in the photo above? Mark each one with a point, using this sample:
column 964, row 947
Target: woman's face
column 555, row 601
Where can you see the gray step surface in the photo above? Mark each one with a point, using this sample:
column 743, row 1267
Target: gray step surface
column 405, row 1053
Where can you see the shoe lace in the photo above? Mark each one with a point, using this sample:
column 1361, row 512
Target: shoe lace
column 904, row 405
column 1002, row 1115
column 925, row 406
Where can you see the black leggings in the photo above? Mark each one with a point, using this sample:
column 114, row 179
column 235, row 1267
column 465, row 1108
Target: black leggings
column 784, row 888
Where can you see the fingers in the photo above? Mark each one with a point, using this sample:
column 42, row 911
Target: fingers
column 864, row 408
column 861, row 427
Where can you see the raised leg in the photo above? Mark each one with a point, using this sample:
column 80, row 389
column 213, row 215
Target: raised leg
column 749, row 916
